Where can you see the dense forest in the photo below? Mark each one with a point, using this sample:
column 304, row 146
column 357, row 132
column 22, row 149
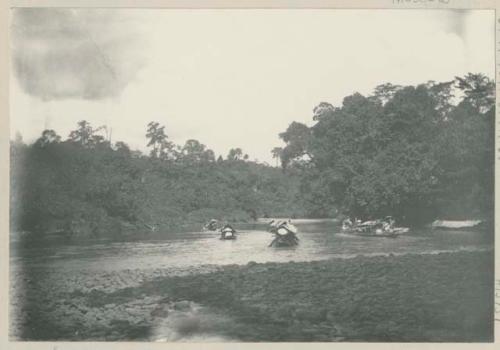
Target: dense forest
column 413, row 152
column 86, row 186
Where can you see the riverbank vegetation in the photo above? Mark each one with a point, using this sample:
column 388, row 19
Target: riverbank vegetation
column 86, row 186
column 413, row 152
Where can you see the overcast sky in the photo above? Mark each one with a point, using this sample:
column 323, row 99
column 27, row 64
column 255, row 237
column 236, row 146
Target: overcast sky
column 228, row 78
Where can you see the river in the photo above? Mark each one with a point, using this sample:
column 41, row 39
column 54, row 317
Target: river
column 319, row 239
column 110, row 264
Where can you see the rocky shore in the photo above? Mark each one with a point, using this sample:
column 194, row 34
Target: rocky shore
column 433, row 297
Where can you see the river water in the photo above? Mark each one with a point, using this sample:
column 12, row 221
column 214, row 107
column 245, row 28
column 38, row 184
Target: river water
column 44, row 272
column 319, row 239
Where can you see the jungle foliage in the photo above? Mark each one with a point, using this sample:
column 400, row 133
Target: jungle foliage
column 87, row 186
column 413, row 152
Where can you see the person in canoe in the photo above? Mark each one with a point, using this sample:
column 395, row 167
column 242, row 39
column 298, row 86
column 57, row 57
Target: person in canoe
column 227, row 232
column 211, row 225
column 347, row 224
column 273, row 225
column 376, row 228
column 285, row 235
column 388, row 224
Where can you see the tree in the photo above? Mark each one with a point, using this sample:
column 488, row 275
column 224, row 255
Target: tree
column 158, row 141
column 409, row 152
column 373, row 156
column 466, row 151
column 83, row 134
column 296, row 137
column 442, row 94
column 48, row 137
column 277, row 152
column 479, row 91
column 86, row 136
column 193, row 147
column 385, row 92
column 193, row 151
column 208, row 156
column 84, row 187
column 122, row 148
column 235, row 154
column 322, row 111
column 340, row 147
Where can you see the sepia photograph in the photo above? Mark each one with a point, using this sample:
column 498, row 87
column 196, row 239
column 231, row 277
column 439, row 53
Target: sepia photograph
column 251, row 175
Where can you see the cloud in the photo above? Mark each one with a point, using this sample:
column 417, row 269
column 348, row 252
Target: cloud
column 74, row 53
column 237, row 78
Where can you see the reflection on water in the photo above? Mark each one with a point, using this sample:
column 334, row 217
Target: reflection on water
column 318, row 240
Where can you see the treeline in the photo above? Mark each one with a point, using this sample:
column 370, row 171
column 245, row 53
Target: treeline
column 413, row 152
column 86, row 186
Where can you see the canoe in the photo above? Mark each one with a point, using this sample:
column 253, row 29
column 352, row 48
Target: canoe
column 285, row 241
column 370, row 234
column 455, row 224
column 400, row 230
column 285, row 237
column 228, row 233
column 364, row 232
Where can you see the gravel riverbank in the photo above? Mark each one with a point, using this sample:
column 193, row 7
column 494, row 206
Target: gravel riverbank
column 427, row 297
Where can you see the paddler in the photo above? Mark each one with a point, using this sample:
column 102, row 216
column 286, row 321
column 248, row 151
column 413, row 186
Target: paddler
column 347, row 223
